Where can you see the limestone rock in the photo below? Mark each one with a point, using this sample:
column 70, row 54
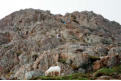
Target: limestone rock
column 104, row 78
column 115, row 51
column 32, row 40
column 32, row 74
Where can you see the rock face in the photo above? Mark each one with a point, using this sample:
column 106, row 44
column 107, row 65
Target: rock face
column 33, row 40
column 107, row 61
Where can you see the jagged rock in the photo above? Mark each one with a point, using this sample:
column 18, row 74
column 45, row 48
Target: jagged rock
column 115, row 51
column 66, row 69
column 33, row 39
column 102, row 50
column 80, row 61
column 97, row 65
column 80, row 70
column 107, row 61
column 114, row 60
column 2, row 78
column 101, row 63
column 93, row 39
column 32, row 74
column 45, row 60
column 20, row 74
column 5, row 38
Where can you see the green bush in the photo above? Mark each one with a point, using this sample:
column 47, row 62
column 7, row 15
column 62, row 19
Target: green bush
column 108, row 71
column 117, row 69
column 104, row 71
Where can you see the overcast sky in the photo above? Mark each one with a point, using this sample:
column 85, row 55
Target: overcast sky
column 110, row 9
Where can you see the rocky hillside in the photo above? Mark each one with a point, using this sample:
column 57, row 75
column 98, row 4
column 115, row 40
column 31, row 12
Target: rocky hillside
column 33, row 40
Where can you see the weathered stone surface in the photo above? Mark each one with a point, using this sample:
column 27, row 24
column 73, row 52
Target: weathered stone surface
column 20, row 74
column 104, row 78
column 32, row 74
column 115, row 51
column 32, row 40
column 81, row 70
column 97, row 65
column 114, row 60
column 107, row 61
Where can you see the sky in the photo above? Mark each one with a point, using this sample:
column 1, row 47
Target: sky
column 110, row 9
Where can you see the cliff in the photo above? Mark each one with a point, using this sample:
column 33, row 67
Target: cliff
column 33, row 40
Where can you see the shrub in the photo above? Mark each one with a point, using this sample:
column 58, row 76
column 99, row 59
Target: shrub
column 108, row 71
column 117, row 69
column 104, row 71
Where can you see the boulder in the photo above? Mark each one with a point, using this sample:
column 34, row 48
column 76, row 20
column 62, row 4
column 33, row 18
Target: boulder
column 107, row 61
column 114, row 60
column 97, row 65
column 104, row 78
column 20, row 74
column 33, row 74
column 115, row 51
column 81, row 70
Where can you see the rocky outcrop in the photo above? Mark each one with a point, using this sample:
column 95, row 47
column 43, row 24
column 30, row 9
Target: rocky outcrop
column 33, row 40
column 107, row 61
